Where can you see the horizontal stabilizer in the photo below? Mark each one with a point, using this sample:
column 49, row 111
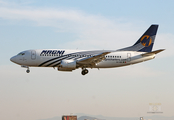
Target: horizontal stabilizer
column 153, row 52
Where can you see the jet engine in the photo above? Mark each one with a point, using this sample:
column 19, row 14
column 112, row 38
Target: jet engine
column 67, row 65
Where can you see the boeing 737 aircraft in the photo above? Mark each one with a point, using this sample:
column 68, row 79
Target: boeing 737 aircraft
column 69, row 60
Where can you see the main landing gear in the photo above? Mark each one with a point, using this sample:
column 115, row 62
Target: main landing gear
column 84, row 71
column 28, row 70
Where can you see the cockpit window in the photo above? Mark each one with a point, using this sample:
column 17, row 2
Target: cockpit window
column 21, row 53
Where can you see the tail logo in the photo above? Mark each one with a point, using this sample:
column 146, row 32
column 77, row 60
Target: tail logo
column 146, row 40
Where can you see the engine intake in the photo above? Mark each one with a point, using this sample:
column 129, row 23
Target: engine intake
column 67, row 65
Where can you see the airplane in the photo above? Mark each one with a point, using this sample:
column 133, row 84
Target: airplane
column 69, row 60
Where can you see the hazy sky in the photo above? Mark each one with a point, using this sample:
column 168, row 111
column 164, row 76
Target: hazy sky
column 87, row 24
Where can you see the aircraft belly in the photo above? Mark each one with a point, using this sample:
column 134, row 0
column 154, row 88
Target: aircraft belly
column 142, row 59
column 123, row 62
column 108, row 64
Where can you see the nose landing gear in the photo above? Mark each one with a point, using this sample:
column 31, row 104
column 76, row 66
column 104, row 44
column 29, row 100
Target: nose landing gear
column 28, row 69
column 84, row 71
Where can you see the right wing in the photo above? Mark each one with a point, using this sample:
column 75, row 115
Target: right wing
column 91, row 61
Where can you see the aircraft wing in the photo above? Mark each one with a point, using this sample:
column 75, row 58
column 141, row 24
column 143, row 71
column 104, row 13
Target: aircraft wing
column 91, row 61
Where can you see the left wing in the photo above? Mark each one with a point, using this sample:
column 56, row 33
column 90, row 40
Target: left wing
column 91, row 61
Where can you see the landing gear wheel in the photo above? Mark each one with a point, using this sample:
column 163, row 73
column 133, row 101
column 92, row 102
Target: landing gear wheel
column 84, row 72
column 27, row 71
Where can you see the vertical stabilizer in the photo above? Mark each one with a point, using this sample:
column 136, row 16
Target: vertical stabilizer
column 145, row 42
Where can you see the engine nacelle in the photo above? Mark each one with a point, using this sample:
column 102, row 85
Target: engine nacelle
column 67, row 65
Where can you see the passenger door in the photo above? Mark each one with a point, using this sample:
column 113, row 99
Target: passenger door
column 128, row 57
column 33, row 55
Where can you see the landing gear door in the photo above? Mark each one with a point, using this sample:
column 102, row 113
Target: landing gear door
column 128, row 57
column 33, row 55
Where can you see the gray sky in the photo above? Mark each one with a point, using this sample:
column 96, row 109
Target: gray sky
column 99, row 24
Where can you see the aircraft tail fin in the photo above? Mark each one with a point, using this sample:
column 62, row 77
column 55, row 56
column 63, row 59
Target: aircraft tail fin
column 145, row 42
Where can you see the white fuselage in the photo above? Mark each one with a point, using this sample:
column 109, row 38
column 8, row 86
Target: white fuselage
column 53, row 57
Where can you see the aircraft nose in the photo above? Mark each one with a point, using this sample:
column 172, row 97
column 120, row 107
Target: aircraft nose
column 13, row 59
